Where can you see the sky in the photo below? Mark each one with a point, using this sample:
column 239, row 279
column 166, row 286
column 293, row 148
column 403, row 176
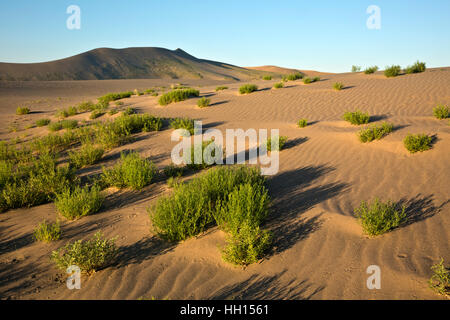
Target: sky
column 310, row 35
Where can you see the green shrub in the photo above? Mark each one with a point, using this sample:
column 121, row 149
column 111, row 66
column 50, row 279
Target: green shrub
column 128, row 111
column 62, row 113
column 338, row 86
column 292, row 77
column 69, row 124
column 417, row 143
column 114, row 96
column 267, row 78
column 198, row 152
column 177, row 95
column 416, row 68
column 79, row 202
column 392, row 71
column 55, row 126
column 378, row 218
column 278, row 85
column 356, row 68
column 315, row 79
column 307, row 80
column 183, row 123
column 112, row 112
column 6, row 172
column 371, row 70
column 440, row 112
column 42, row 122
column 203, row 102
column 173, row 171
column 90, row 256
column 302, row 123
column 95, row 114
column 22, row 110
column 356, row 118
column 119, row 103
column 47, row 232
column 278, row 143
column 86, row 106
column 131, row 171
column 440, row 280
column 88, row 154
column 221, row 88
column 375, row 132
column 247, row 88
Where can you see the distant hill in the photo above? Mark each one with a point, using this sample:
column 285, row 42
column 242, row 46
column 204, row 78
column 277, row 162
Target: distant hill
column 274, row 69
column 129, row 63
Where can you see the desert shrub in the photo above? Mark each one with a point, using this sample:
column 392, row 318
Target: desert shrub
column 379, row 217
column 177, row 95
column 302, row 123
column 278, row 143
column 62, row 113
column 247, row 245
column 417, row 143
column 69, row 124
column 173, row 182
column 356, row 118
column 95, row 114
column 356, row 68
column 114, row 96
column 440, row 111
column 247, row 88
column 88, row 154
column 416, row 68
column 173, row 171
column 219, row 88
column 392, row 71
column 79, row 202
column 42, row 122
column 307, row 80
column 22, row 110
column 315, row 79
column 109, row 136
column 197, row 159
column 371, row 70
column 55, row 126
column 267, row 78
column 292, row 77
column 375, row 132
column 278, row 85
column 53, row 143
column 119, row 103
column 6, row 172
column 128, row 111
column 112, row 112
column 440, row 279
column 47, row 232
column 183, row 123
column 85, row 106
column 131, row 171
column 90, row 255
column 203, row 102
column 154, row 94
column 338, row 86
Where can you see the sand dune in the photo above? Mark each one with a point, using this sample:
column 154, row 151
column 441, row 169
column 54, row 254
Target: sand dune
column 319, row 252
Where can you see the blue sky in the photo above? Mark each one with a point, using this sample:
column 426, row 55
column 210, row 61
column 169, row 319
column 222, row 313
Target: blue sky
column 320, row 35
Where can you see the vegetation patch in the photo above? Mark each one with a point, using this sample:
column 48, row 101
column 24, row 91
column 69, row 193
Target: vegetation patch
column 267, row 78
column 115, row 96
column 22, row 110
column 88, row 154
column 375, row 132
column 47, row 232
column 392, row 71
column 302, row 123
column 371, row 70
column 276, row 144
column 183, row 123
column 440, row 279
column 220, row 88
column 247, row 88
column 356, row 68
column 292, row 77
column 440, row 111
column 177, row 95
column 278, row 85
column 79, row 202
column 416, row 68
column 42, row 122
column 203, row 102
column 417, row 143
column 338, row 86
column 357, row 117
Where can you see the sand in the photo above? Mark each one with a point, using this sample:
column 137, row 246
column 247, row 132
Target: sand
column 319, row 252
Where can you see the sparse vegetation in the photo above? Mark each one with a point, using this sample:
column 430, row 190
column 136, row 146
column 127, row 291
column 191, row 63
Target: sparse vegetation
column 220, row 88
column 276, row 144
column 183, row 123
column 417, row 143
column 440, row 279
column 392, row 71
column 267, row 78
column 440, row 111
column 42, row 122
column 90, row 256
column 356, row 68
column 173, row 171
column 416, row 68
column 309, row 80
column 338, row 86
column 22, row 110
column 128, row 111
column 95, row 114
column 114, row 96
column 380, row 217
column 55, row 126
column 79, row 202
column 247, row 88
column 356, row 118
column 47, row 232
column 177, row 95
column 199, row 159
column 302, row 123
column 278, row 85
column 375, row 132
column 292, row 77
column 88, row 154
column 203, row 102
column 371, row 70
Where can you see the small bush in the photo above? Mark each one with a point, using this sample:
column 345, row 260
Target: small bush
column 278, row 85
column 183, row 123
column 69, row 124
column 131, row 171
column 356, row 68
column 22, row 110
column 47, row 232
column 356, row 118
column 79, row 202
column 177, row 95
column 112, row 112
column 338, row 86
column 128, row 111
column 86, row 155
column 55, row 126
column 278, row 143
column 417, row 143
column 392, row 71
column 375, row 132
column 267, row 78
column 440, row 280
column 90, row 256
column 378, row 218
column 292, row 77
column 198, row 154
column 114, row 96
column 173, row 171
column 315, row 79
column 416, row 68
column 247, row 88
column 42, row 122
column 220, row 88
column 371, row 70
column 95, row 114
column 203, row 102
column 440, row 112
column 302, row 123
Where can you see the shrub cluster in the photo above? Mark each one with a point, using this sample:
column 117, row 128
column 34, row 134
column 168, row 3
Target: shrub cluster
column 267, row 78
column 47, row 232
column 177, row 95
column 220, row 88
column 42, row 122
column 392, row 71
column 88, row 154
column 309, row 80
column 417, row 143
column 202, row 156
column 247, row 88
column 371, row 70
column 22, row 110
column 278, row 85
column 114, row 96
column 356, row 118
column 338, row 86
column 203, row 102
column 379, row 217
column 416, row 68
column 356, row 68
column 276, row 144
column 79, row 202
column 440, row 111
column 173, row 171
column 292, row 77
column 95, row 114
column 131, row 171
column 440, row 280
column 302, row 123
column 375, row 132
column 183, row 123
